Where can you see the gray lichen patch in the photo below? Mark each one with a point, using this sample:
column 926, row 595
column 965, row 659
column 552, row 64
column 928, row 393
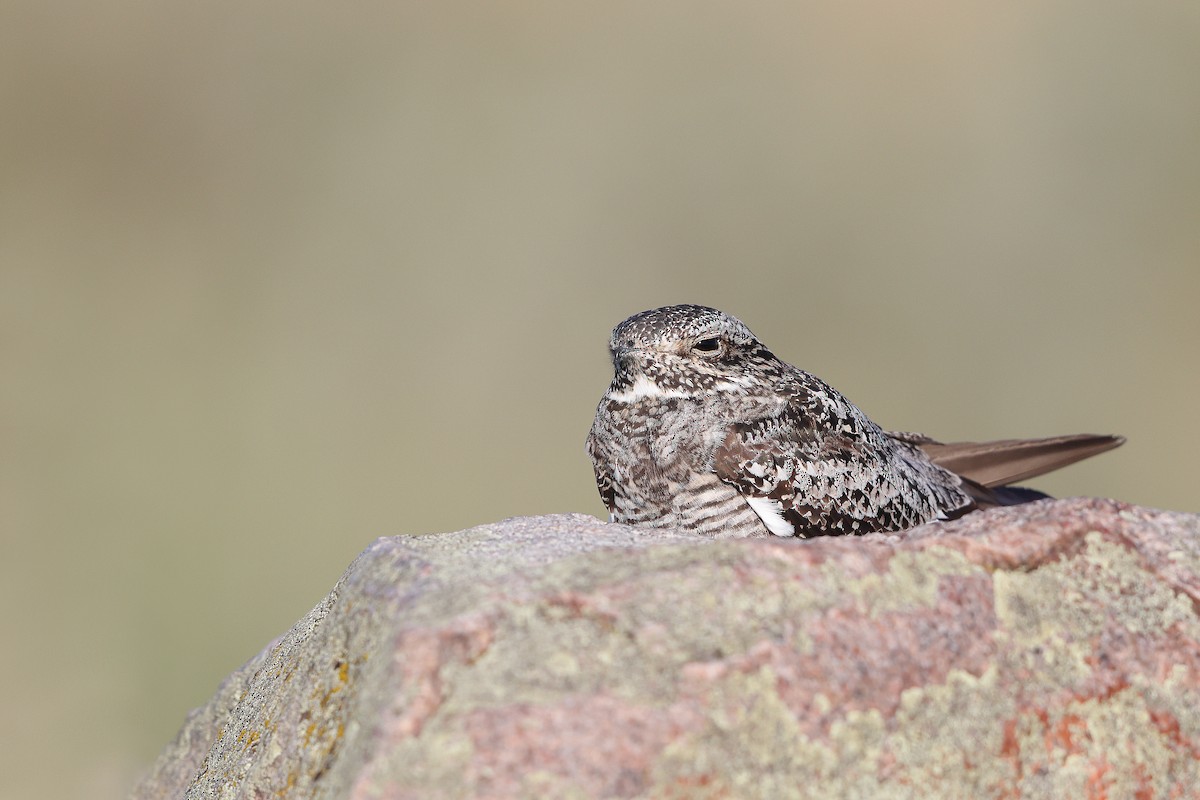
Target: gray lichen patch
column 537, row 658
column 589, row 636
column 434, row 764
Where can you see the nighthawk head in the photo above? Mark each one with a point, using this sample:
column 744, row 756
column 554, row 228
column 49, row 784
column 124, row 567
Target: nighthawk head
column 685, row 351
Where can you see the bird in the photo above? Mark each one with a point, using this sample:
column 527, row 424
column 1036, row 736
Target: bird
column 704, row 429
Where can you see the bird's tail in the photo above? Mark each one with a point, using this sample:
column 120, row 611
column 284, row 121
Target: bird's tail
column 1000, row 463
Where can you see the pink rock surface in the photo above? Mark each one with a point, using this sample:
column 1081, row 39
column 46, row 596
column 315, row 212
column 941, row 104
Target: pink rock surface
column 1046, row 650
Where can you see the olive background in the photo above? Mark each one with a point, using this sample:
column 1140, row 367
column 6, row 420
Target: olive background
column 278, row 278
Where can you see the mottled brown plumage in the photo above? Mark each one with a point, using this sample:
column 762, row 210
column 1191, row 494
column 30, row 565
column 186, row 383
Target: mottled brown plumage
column 703, row 428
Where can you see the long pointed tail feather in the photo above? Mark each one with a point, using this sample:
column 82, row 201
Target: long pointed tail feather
column 1000, row 463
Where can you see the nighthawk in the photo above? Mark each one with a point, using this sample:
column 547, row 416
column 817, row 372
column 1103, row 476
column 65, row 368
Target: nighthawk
column 704, row 429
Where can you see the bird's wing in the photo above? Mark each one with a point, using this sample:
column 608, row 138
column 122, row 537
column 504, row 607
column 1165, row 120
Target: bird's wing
column 758, row 458
column 1000, row 463
column 845, row 476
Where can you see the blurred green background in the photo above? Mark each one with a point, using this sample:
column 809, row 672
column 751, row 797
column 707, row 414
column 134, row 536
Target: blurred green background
column 279, row 278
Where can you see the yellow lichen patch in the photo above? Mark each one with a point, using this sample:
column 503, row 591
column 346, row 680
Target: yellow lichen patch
column 911, row 580
column 752, row 746
column 1054, row 614
column 308, row 733
column 289, row 784
column 291, row 670
column 341, row 668
column 951, row 734
column 1113, row 746
column 562, row 664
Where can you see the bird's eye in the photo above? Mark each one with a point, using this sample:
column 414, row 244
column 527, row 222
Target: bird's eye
column 708, row 345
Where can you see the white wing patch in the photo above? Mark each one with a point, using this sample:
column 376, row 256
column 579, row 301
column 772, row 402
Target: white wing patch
column 771, row 513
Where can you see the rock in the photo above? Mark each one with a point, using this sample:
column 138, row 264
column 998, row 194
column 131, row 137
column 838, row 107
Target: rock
column 1046, row 650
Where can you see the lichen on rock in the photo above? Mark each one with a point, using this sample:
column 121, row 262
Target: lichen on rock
column 1045, row 650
